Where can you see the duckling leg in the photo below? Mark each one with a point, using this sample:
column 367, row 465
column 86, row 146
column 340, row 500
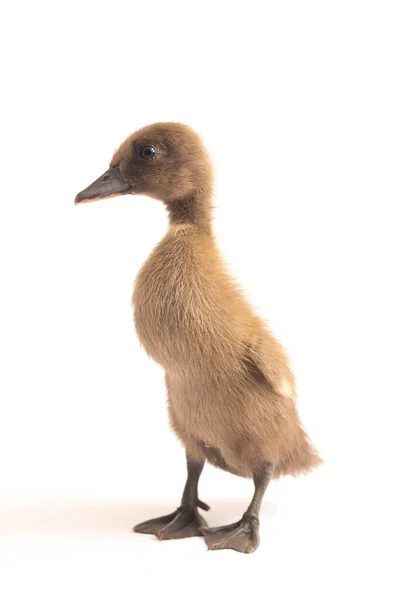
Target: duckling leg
column 243, row 535
column 186, row 520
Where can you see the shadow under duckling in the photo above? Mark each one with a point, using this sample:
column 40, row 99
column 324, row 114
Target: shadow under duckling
column 231, row 392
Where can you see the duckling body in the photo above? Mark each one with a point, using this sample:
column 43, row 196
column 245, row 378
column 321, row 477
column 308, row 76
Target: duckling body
column 231, row 392
column 229, row 384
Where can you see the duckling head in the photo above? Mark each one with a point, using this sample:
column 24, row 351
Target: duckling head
column 167, row 161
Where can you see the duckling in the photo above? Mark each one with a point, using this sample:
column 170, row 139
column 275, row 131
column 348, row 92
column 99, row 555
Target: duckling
column 230, row 390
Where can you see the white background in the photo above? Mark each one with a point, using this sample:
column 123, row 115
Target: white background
column 298, row 103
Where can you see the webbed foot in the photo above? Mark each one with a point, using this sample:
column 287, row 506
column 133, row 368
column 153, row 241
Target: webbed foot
column 185, row 522
column 242, row 536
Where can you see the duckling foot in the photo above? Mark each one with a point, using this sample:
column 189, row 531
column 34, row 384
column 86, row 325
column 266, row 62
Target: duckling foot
column 184, row 522
column 241, row 536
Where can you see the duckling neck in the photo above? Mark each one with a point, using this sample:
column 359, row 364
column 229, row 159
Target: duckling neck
column 191, row 210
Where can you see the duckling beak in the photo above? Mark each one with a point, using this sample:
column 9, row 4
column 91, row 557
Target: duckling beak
column 108, row 185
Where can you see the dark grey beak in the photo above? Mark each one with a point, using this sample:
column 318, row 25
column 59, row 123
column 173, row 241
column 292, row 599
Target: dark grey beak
column 108, row 185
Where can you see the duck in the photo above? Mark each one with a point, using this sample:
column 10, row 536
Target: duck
column 231, row 392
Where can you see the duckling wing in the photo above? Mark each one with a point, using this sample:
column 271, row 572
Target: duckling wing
column 266, row 362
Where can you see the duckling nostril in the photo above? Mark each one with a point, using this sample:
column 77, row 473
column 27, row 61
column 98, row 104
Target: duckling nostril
column 106, row 177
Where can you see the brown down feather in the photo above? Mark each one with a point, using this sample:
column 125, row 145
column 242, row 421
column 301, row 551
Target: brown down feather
column 229, row 381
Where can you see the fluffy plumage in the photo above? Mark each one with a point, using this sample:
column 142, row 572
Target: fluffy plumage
column 229, row 382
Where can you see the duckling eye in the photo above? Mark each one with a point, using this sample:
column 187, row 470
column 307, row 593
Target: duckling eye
column 148, row 152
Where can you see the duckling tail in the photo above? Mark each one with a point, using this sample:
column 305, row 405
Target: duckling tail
column 302, row 457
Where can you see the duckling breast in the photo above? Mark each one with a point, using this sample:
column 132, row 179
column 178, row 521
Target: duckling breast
column 182, row 316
